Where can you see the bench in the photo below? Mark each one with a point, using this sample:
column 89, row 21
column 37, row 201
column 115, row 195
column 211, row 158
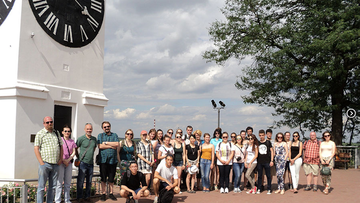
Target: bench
column 343, row 158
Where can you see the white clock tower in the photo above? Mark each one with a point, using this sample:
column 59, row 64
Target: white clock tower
column 51, row 64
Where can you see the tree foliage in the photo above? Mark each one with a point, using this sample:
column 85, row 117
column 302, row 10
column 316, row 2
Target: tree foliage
column 306, row 56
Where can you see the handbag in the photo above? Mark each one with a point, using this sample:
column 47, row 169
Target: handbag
column 77, row 162
column 325, row 170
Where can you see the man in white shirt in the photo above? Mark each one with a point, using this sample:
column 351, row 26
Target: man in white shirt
column 164, row 174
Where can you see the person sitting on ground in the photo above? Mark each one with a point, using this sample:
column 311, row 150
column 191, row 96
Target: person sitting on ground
column 133, row 184
column 164, row 174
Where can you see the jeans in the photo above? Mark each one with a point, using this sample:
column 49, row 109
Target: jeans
column 47, row 171
column 65, row 175
column 237, row 169
column 224, row 175
column 295, row 170
column 260, row 168
column 205, row 172
column 85, row 171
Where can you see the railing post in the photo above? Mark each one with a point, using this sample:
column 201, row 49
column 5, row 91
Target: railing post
column 24, row 193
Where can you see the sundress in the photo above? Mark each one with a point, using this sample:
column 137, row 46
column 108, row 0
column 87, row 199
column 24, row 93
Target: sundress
column 280, row 162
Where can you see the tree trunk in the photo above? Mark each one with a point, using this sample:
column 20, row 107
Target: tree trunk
column 336, row 127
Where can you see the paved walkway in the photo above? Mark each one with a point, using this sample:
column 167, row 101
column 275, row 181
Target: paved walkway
column 345, row 188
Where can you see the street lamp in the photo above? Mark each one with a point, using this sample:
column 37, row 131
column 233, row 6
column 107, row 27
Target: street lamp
column 218, row 108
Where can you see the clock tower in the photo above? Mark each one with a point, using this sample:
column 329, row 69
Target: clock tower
column 51, row 64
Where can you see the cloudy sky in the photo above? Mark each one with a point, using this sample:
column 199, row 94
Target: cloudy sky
column 154, row 69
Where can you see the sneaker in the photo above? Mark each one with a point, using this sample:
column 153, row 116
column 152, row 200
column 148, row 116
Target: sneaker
column 103, row 197
column 269, row 192
column 250, row 191
column 226, row 190
column 156, row 199
column 238, row 190
column 235, row 190
column 221, row 190
column 258, row 191
column 111, row 196
column 308, row 188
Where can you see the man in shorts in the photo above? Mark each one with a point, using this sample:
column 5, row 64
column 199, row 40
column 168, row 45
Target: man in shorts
column 133, row 184
column 311, row 161
column 164, row 174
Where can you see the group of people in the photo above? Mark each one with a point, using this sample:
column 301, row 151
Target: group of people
column 160, row 161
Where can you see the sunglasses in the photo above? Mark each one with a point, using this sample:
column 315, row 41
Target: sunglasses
column 251, row 138
column 170, row 132
column 238, row 139
column 225, row 137
column 129, row 134
column 232, row 136
column 67, row 131
column 178, row 137
column 296, row 136
column 326, row 135
column 106, row 126
column 48, row 122
column 142, row 134
column 280, row 137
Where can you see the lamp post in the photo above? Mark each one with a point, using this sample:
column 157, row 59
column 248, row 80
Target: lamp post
column 218, row 108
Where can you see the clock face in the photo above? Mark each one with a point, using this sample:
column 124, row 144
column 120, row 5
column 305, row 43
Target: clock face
column 5, row 8
column 73, row 23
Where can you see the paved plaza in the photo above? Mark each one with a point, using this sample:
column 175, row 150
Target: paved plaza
column 345, row 188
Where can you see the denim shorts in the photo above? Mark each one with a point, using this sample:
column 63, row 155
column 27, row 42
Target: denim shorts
column 178, row 163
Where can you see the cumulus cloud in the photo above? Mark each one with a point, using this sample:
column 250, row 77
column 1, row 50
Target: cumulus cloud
column 118, row 114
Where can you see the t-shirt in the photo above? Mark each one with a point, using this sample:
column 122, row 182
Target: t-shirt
column 166, row 172
column 224, row 152
column 82, row 143
column 165, row 150
column 108, row 156
column 215, row 142
column 250, row 154
column 264, row 155
column 134, row 181
column 68, row 146
column 192, row 153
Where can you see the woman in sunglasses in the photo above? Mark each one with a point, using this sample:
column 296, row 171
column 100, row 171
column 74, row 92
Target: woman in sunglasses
column 327, row 153
column 296, row 149
column 179, row 156
column 65, row 169
column 126, row 151
column 251, row 155
column 224, row 153
column 214, row 176
column 281, row 152
column 192, row 154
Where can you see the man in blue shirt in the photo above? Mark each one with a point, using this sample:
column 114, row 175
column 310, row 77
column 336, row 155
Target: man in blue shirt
column 107, row 143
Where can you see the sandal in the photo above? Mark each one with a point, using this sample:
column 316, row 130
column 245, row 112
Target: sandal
column 277, row 191
column 326, row 191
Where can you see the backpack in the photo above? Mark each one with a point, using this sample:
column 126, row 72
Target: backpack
column 166, row 196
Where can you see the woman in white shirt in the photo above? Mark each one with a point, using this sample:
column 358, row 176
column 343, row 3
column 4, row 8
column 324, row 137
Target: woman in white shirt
column 251, row 162
column 327, row 153
column 224, row 153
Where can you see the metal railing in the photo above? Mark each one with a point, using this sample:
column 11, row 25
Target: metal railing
column 20, row 190
column 354, row 152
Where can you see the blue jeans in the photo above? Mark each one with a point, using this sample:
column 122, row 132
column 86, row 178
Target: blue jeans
column 238, row 169
column 205, row 172
column 85, row 171
column 47, row 171
column 260, row 167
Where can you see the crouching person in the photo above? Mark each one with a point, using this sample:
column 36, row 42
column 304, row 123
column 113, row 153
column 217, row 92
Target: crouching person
column 164, row 174
column 133, row 184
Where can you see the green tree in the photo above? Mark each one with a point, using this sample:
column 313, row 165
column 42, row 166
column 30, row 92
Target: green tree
column 306, row 57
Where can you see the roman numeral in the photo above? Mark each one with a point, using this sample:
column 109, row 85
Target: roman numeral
column 7, row 7
column 52, row 22
column 93, row 23
column 96, row 5
column 41, row 4
column 83, row 34
column 68, row 33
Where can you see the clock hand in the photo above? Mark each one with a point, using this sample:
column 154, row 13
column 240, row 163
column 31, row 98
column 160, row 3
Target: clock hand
column 79, row 4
